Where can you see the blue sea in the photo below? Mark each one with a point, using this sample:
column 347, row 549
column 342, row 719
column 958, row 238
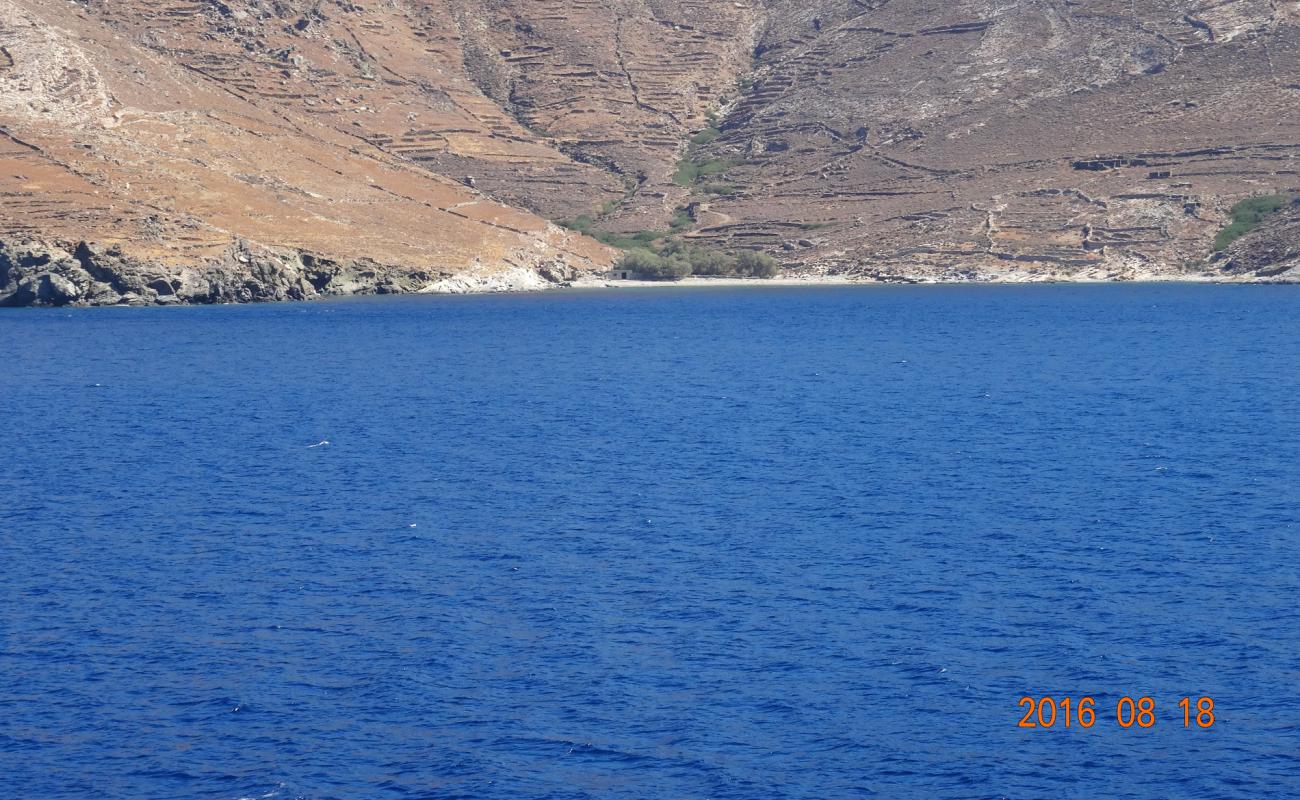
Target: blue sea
column 653, row 544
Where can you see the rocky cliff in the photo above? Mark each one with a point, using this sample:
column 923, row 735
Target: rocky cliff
column 230, row 150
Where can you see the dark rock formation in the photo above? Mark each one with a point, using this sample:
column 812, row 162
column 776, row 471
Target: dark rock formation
column 41, row 274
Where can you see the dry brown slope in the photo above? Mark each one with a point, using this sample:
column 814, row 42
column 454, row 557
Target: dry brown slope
column 559, row 106
column 190, row 181
column 617, row 84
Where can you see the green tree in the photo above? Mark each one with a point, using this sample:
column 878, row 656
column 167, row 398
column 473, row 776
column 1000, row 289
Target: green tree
column 674, row 269
column 756, row 264
column 655, row 267
column 640, row 262
column 712, row 262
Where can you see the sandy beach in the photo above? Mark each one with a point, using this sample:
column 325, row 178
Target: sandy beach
column 696, row 281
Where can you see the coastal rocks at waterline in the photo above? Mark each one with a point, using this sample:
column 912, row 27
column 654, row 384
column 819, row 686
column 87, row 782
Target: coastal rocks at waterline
column 515, row 279
column 44, row 274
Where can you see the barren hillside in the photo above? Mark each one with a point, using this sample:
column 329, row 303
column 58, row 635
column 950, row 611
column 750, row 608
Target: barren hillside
column 216, row 150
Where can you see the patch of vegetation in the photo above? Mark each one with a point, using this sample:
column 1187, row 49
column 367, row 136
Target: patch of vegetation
column 1248, row 215
column 675, row 259
column 757, row 265
column 660, row 255
column 654, row 266
column 719, row 188
column 692, row 169
column 745, row 84
column 707, row 136
column 583, row 224
column 681, row 220
column 640, row 239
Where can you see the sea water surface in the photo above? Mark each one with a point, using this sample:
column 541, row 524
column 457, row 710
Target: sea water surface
column 745, row 543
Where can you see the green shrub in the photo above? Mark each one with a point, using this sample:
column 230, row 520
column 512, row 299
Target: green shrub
column 582, row 224
column 669, row 258
column 673, row 269
column 640, row 239
column 708, row 261
column 756, row 264
column 712, row 262
column 690, row 170
column 703, row 261
column 707, row 136
column 640, row 261
column 652, row 266
column 1248, row 215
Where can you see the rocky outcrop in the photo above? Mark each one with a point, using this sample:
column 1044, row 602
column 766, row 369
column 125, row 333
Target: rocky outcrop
column 1269, row 253
column 42, row 274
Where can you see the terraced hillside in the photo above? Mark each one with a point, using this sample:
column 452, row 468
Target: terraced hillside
column 976, row 140
column 208, row 150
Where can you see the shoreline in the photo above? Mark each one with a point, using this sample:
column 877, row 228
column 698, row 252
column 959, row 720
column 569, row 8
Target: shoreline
column 481, row 286
column 695, row 282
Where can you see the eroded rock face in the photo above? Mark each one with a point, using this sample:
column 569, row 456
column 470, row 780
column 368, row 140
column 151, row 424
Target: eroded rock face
column 428, row 142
